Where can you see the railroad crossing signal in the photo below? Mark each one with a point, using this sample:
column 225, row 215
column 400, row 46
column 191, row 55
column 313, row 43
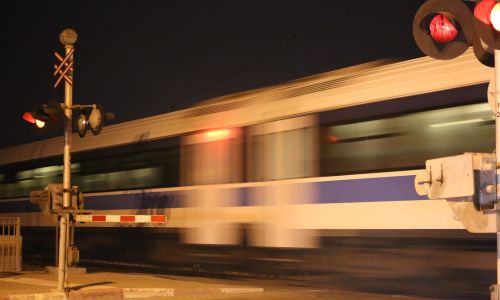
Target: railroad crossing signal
column 444, row 29
column 64, row 199
column 45, row 117
column 92, row 118
column 65, row 68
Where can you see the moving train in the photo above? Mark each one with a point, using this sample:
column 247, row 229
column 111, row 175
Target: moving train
column 279, row 166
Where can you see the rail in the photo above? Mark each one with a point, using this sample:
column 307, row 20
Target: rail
column 10, row 244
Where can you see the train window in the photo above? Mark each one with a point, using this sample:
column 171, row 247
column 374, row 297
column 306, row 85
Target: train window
column 407, row 141
column 22, row 182
column 212, row 157
column 129, row 179
column 156, row 168
column 282, row 149
column 50, row 171
column 153, row 168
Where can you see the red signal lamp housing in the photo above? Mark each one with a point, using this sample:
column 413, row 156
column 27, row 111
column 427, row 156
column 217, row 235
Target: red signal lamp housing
column 45, row 117
column 92, row 119
column 28, row 117
column 445, row 29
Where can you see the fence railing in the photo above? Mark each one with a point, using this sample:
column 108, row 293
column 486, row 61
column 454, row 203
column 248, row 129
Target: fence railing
column 10, row 244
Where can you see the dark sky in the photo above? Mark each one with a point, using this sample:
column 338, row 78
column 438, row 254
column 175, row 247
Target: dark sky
column 142, row 58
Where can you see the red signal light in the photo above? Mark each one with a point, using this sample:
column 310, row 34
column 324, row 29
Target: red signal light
column 46, row 116
column 28, row 117
column 482, row 11
column 442, row 29
column 488, row 12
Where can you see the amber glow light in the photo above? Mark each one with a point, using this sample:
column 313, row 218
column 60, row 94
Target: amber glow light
column 39, row 123
column 495, row 17
column 217, row 134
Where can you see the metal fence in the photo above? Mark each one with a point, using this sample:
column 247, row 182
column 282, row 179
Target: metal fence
column 10, row 244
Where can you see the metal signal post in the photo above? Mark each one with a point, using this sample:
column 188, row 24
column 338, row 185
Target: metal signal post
column 68, row 39
column 496, row 111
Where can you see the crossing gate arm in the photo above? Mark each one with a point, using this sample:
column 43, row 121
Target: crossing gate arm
column 121, row 218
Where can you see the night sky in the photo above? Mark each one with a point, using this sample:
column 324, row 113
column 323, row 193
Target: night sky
column 142, row 58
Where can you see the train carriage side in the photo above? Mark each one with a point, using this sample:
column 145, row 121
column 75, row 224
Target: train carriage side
column 289, row 162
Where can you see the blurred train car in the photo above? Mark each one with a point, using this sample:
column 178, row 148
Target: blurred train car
column 281, row 166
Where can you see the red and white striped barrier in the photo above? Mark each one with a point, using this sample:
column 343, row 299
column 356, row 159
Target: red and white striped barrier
column 121, row 218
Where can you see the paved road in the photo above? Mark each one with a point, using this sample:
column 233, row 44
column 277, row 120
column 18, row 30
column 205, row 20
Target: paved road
column 299, row 295
column 284, row 290
column 381, row 267
column 164, row 286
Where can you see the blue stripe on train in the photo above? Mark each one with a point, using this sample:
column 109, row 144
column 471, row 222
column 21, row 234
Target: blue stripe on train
column 369, row 190
column 341, row 191
column 150, row 200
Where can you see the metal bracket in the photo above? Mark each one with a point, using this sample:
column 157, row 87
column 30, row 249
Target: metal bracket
column 485, row 176
column 61, row 211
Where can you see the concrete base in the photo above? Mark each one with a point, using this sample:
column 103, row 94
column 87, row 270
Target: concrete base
column 101, row 294
column 70, row 270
